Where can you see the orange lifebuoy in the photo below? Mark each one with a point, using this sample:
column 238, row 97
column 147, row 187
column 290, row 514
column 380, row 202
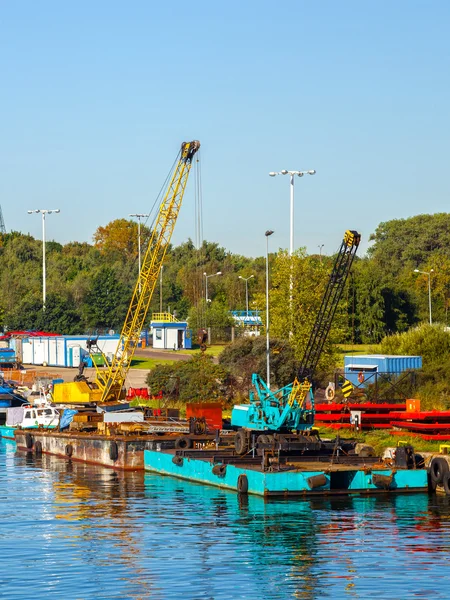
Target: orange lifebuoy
column 329, row 393
column 361, row 377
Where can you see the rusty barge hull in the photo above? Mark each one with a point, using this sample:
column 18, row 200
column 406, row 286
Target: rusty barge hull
column 124, row 452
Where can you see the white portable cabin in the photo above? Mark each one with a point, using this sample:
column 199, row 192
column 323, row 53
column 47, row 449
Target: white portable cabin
column 65, row 350
column 170, row 334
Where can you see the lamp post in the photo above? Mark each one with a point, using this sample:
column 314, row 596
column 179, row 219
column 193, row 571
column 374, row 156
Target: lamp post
column 292, row 174
column 428, row 274
column 291, row 236
column 246, row 289
column 267, row 234
column 139, row 216
column 206, row 279
column 43, row 211
column 320, row 246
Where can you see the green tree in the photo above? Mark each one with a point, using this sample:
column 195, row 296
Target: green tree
column 106, row 302
column 195, row 380
column 247, row 355
column 309, row 278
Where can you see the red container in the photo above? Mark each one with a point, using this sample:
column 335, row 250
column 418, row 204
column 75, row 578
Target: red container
column 211, row 411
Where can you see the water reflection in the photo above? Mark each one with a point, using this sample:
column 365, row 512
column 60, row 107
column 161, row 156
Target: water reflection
column 107, row 534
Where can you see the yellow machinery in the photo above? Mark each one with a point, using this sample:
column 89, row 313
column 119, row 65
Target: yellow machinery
column 109, row 382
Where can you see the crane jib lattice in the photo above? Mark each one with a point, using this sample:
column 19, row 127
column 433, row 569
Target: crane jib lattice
column 330, row 300
column 112, row 380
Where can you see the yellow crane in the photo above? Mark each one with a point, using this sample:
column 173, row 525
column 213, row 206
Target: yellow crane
column 109, row 382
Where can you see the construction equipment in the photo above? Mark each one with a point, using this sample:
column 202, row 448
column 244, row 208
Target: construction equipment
column 109, row 382
column 291, row 408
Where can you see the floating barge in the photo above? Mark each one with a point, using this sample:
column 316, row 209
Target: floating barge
column 7, row 432
column 299, row 477
column 124, row 452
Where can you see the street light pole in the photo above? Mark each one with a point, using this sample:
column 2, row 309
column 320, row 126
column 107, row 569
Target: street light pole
column 44, row 211
column 206, row 279
column 139, row 216
column 292, row 173
column 246, row 289
column 291, row 227
column 428, row 274
column 320, row 246
column 267, row 234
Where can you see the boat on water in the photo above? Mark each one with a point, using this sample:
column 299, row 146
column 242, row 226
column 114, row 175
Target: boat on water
column 36, row 417
column 28, row 409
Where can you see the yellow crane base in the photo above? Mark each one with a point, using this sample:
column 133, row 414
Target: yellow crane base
column 75, row 392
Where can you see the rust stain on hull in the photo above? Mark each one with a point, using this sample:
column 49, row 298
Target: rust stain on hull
column 118, row 452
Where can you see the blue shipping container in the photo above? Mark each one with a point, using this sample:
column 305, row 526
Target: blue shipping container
column 364, row 367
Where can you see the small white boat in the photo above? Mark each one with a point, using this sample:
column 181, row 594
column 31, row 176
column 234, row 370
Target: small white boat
column 34, row 417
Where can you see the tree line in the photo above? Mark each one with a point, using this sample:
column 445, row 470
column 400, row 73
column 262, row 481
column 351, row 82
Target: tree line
column 89, row 286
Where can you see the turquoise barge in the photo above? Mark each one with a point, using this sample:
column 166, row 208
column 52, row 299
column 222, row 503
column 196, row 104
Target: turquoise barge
column 7, row 432
column 294, row 479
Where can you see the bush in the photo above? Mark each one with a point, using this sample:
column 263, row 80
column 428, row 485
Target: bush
column 432, row 342
column 246, row 356
column 195, row 380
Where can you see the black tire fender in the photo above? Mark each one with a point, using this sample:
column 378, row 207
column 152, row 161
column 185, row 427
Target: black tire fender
column 242, row 484
column 38, row 448
column 219, row 470
column 241, row 442
column 28, row 440
column 438, row 468
column 113, row 451
column 183, row 443
column 420, row 461
column 68, row 450
column 446, row 482
column 178, row 460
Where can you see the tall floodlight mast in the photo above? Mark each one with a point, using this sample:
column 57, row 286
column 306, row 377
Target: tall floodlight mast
column 2, row 223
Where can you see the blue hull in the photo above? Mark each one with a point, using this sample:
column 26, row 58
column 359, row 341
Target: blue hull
column 7, row 432
column 282, row 483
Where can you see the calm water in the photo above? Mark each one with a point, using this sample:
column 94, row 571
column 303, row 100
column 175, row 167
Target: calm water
column 74, row 531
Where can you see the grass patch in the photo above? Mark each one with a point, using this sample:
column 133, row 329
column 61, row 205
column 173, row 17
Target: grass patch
column 358, row 348
column 381, row 440
column 149, row 363
column 213, row 350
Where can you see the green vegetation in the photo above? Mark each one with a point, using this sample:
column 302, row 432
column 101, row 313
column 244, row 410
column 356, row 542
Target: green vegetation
column 213, row 350
column 195, row 380
column 356, row 349
column 89, row 285
column 140, row 362
column 380, row 440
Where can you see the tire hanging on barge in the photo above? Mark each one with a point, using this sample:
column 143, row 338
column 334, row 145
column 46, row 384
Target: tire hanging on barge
column 113, row 451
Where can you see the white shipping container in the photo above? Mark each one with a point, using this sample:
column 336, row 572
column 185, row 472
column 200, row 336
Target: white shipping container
column 123, row 417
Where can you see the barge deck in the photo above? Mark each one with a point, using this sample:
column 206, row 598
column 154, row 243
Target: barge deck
column 297, row 476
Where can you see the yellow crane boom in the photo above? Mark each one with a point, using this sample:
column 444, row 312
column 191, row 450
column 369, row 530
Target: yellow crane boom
column 109, row 383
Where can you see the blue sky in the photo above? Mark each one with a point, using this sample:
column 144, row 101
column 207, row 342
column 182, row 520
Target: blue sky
column 97, row 97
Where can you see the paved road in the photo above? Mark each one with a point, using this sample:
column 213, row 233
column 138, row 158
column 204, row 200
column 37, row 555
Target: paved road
column 135, row 377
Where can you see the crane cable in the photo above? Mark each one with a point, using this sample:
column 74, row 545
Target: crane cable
column 198, row 278
column 154, row 214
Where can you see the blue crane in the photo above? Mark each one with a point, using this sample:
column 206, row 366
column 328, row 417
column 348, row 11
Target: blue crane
column 291, row 408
